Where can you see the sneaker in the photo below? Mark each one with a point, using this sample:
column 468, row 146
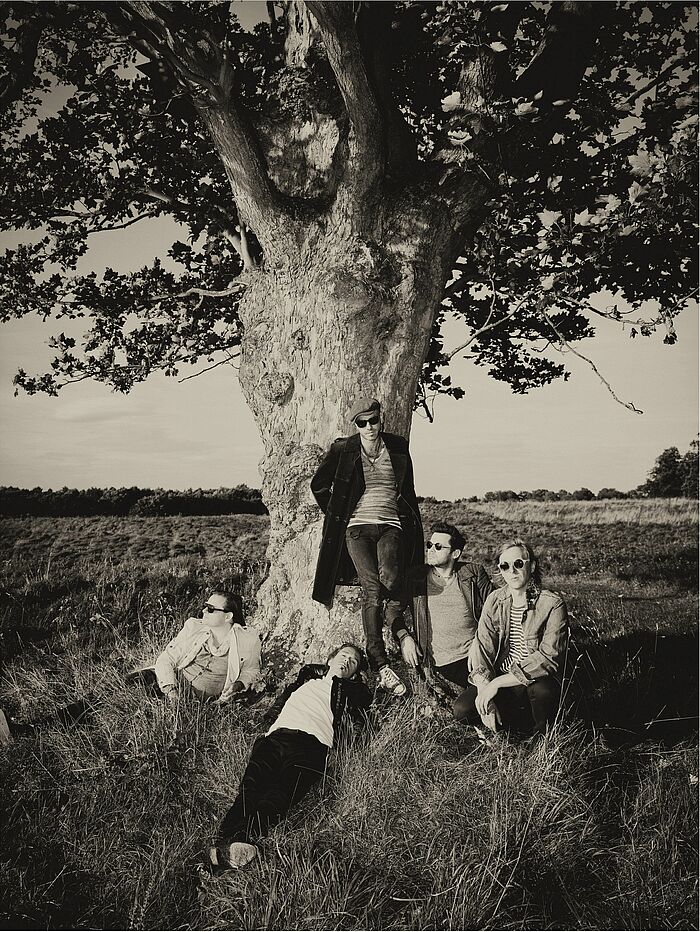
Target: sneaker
column 233, row 855
column 5, row 734
column 486, row 737
column 389, row 681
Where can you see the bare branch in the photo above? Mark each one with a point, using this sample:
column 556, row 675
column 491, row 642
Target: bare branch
column 221, row 362
column 489, row 326
column 564, row 345
column 669, row 66
column 107, row 228
column 202, row 292
column 665, row 316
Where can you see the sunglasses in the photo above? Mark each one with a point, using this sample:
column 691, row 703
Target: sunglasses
column 209, row 609
column 364, row 421
column 517, row 565
column 438, row 547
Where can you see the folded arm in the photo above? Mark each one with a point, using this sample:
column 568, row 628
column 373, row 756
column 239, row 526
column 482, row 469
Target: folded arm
column 547, row 659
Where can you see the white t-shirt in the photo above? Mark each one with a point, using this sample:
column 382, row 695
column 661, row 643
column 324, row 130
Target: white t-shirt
column 309, row 709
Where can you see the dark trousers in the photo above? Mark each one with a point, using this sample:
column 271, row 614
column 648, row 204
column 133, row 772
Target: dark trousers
column 148, row 679
column 523, row 709
column 456, row 672
column 283, row 767
column 377, row 552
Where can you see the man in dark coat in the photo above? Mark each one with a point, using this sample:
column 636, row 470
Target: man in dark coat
column 372, row 531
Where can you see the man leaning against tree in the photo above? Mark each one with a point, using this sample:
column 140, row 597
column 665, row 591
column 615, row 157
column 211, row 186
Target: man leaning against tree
column 372, row 529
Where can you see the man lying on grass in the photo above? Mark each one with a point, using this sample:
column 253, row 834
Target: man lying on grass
column 214, row 656
column 291, row 758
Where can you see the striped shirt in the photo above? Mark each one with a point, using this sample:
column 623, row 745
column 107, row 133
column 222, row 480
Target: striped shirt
column 517, row 650
column 378, row 502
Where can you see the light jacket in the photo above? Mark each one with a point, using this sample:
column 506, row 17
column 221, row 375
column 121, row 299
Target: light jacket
column 243, row 654
column 338, row 485
column 546, row 631
column 475, row 586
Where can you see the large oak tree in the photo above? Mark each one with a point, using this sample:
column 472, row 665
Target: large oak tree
column 346, row 175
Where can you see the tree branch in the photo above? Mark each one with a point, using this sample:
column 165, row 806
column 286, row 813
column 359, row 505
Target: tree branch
column 376, row 36
column 169, row 31
column 565, row 345
column 560, row 61
column 203, row 292
column 221, row 362
column 367, row 152
column 489, row 326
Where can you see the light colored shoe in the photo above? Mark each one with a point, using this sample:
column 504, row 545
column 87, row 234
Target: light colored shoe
column 389, row 681
column 234, row 855
column 5, row 735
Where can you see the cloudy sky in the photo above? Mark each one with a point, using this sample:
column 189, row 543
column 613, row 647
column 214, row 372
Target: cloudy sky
column 200, row 434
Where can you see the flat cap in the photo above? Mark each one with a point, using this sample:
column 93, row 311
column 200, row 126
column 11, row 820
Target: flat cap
column 363, row 405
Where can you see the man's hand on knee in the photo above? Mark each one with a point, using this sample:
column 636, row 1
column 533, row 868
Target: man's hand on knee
column 410, row 651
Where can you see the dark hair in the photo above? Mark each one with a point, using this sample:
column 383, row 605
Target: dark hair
column 532, row 556
column 361, row 659
column 232, row 603
column 457, row 541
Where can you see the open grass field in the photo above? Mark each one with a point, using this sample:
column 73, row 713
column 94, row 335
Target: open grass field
column 102, row 825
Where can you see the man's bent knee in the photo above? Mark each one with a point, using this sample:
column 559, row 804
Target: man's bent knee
column 464, row 707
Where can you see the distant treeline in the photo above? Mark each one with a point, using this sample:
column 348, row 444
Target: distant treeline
column 78, row 503
column 546, row 495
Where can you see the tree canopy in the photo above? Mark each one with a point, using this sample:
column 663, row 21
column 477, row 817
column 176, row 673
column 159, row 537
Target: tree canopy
column 562, row 136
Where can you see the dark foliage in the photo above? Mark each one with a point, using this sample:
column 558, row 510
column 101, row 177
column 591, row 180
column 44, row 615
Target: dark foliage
column 86, row 503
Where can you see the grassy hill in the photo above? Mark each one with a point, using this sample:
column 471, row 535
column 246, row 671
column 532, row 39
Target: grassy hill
column 418, row 828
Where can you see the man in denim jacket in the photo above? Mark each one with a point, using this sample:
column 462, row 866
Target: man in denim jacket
column 517, row 656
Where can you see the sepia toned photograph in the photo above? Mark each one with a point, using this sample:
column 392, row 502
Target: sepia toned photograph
column 349, row 391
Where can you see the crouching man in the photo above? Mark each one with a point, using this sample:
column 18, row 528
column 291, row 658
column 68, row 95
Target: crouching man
column 291, row 758
column 448, row 595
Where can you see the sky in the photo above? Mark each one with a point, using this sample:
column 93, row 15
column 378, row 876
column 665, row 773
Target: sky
column 200, row 434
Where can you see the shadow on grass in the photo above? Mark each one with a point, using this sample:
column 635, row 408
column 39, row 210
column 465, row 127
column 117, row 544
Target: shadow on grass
column 637, row 686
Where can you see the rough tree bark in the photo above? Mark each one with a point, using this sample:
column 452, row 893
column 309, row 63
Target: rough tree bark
column 338, row 317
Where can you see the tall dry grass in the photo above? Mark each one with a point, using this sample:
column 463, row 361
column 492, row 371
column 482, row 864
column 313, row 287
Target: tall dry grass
column 668, row 511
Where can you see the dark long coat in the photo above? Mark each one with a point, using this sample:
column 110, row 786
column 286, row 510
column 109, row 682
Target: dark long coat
column 337, row 486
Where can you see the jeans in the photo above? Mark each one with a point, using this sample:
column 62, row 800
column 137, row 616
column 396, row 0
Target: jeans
column 456, row 672
column 377, row 552
column 523, row 709
column 283, row 767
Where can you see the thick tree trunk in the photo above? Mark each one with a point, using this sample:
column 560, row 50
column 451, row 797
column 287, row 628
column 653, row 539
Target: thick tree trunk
column 338, row 318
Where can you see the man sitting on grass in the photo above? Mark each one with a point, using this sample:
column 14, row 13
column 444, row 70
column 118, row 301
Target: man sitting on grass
column 215, row 656
column 448, row 595
column 291, row 758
